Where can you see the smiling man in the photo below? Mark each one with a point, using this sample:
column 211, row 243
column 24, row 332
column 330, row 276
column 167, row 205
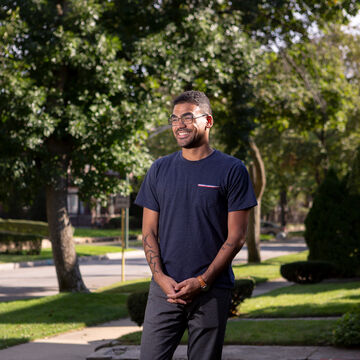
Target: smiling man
column 196, row 206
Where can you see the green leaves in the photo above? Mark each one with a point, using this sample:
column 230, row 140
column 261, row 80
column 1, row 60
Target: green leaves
column 66, row 98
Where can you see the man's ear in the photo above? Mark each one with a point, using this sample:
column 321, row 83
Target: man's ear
column 210, row 121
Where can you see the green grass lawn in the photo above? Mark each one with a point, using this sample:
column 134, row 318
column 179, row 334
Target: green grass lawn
column 273, row 332
column 81, row 250
column 323, row 299
column 127, row 287
column 25, row 320
column 268, row 269
column 90, row 232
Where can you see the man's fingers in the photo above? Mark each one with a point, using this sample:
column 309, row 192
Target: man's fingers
column 177, row 301
column 177, row 295
column 180, row 285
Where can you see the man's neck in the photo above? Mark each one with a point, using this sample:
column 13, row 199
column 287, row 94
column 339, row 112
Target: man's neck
column 198, row 153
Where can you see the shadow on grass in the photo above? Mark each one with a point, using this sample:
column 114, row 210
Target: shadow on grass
column 85, row 308
column 329, row 309
column 313, row 289
column 7, row 342
column 128, row 288
column 328, row 299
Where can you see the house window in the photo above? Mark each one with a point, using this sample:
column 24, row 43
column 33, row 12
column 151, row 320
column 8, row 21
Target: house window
column 73, row 203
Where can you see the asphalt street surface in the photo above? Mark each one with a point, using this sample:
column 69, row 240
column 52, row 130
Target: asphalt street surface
column 30, row 282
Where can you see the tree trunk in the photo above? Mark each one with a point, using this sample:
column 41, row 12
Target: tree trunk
column 283, row 207
column 63, row 249
column 257, row 175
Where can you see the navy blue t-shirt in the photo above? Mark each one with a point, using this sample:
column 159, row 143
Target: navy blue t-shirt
column 193, row 199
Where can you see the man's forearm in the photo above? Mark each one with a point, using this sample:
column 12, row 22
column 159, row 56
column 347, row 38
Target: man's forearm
column 223, row 258
column 152, row 252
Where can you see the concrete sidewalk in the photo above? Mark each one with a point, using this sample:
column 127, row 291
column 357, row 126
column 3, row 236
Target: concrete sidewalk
column 241, row 352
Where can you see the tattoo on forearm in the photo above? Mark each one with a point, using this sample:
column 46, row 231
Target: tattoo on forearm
column 150, row 254
column 145, row 241
column 227, row 244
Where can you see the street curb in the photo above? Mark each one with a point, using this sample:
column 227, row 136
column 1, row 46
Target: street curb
column 82, row 260
column 243, row 352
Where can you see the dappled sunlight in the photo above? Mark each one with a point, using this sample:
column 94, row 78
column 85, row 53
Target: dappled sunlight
column 304, row 300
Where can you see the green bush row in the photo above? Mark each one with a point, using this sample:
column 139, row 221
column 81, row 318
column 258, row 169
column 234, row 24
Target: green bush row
column 308, row 272
column 333, row 225
column 347, row 332
column 19, row 243
column 242, row 290
column 136, row 302
column 24, row 227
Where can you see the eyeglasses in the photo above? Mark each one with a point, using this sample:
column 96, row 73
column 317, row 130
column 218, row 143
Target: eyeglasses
column 187, row 118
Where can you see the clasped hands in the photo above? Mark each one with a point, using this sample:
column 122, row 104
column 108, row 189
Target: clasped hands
column 179, row 293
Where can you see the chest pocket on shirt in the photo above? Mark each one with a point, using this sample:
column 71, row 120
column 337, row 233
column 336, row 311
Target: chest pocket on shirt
column 207, row 195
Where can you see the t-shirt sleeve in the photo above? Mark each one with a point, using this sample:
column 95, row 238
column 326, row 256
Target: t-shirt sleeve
column 241, row 194
column 147, row 196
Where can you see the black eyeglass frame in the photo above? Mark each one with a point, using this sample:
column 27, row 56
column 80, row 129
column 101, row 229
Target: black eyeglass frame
column 175, row 119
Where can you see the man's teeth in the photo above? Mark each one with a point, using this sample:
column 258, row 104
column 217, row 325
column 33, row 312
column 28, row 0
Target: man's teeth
column 183, row 133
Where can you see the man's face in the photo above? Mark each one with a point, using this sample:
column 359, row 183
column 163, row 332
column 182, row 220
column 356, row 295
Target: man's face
column 190, row 135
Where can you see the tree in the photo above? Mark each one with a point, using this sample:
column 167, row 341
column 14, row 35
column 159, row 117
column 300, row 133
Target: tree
column 257, row 174
column 308, row 100
column 333, row 225
column 67, row 115
column 207, row 47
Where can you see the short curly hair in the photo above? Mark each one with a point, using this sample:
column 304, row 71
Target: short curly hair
column 194, row 97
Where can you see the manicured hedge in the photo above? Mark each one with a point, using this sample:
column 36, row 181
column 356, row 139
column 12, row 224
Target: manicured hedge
column 136, row 304
column 18, row 236
column 243, row 289
column 24, row 227
column 19, row 243
column 307, row 272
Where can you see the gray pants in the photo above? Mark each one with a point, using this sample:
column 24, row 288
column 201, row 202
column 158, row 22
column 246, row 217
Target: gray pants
column 164, row 324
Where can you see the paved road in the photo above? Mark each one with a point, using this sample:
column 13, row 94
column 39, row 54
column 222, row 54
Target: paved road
column 21, row 283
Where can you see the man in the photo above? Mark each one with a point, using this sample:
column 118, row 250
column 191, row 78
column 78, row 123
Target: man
column 196, row 205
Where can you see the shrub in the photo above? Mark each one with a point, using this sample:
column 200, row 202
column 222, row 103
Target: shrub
column 307, row 272
column 243, row 289
column 136, row 304
column 347, row 331
column 18, row 243
column 333, row 226
column 24, row 227
column 113, row 223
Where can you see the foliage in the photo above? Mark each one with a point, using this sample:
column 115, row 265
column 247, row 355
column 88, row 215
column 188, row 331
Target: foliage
column 204, row 48
column 286, row 22
column 136, row 305
column 66, row 98
column 25, row 227
column 17, row 236
column 15, row 243
column 113, row 223
column 347, row 331
column 332, row 226
column 243, row 289
column 307, row 272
